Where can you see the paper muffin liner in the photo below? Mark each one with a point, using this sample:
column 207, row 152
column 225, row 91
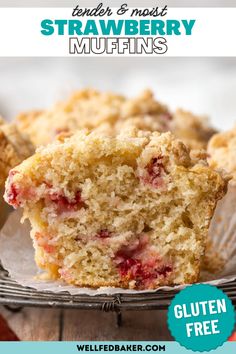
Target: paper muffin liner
column 4, row 209
column 17, row 253
column 222, row 233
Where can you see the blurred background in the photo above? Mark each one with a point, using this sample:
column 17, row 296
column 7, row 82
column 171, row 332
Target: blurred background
column 205, row 86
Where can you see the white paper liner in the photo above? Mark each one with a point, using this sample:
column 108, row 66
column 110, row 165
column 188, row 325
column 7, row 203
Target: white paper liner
column 4, row 209
column 17, row 253
column 223, row 231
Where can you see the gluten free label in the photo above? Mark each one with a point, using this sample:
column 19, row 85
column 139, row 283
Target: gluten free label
column 201, row 317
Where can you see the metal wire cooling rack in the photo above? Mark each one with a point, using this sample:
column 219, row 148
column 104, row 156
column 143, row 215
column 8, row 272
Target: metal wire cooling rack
column 13, row 294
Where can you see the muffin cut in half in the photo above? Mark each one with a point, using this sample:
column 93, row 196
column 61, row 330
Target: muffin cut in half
column 130, row 211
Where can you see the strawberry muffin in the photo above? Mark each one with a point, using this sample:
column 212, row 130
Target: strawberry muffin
column 129, row 211
column 222, row 152
column 14, row 148
column 92, row 109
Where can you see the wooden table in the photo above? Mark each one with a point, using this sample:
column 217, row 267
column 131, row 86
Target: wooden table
column 35, row 324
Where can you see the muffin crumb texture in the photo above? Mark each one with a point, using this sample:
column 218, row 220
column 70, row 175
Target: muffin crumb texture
column 129, row 211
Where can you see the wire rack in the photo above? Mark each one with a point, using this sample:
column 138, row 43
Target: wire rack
column 13, row 294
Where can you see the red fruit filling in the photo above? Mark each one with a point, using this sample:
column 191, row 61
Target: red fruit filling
column 42, row 241
column 131, row 267
column 103, row 233
column 155, row 172
column 63, row 204
column 48, row 248
column 15, row 194
column 144, row 273
column 135, row 262
column 12, row 191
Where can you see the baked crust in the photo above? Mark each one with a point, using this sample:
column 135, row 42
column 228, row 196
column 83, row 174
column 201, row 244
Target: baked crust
column 222, row 152
column 92, row 109
column 14, row 148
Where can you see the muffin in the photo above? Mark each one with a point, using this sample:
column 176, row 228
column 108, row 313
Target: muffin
column 222, row 152
column 128, row 211
column 14, row 148
column 92, row 109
